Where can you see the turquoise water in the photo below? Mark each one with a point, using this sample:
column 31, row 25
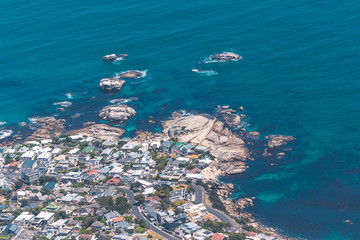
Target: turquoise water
column 299, row 76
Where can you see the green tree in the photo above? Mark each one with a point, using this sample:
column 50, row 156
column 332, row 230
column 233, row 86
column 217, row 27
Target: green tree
column 140, row 198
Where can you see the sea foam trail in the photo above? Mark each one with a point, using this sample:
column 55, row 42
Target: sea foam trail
column 63, row 104
column 206, row 73
column 2, row 123
column 122, row 100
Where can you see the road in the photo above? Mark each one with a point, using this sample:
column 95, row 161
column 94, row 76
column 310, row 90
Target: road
column 200, row 198
column 136, row 211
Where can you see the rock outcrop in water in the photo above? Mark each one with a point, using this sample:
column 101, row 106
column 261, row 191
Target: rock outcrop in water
column 113, row 57
column 47, row 127
column 111, row 84
column 278, row 140
column 208, row 131
column 133, row 74
column 229, row 116
column 101, row 131
column 226, row 56
column 117, row 113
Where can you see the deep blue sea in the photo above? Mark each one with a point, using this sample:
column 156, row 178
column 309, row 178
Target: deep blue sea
column 299, row 76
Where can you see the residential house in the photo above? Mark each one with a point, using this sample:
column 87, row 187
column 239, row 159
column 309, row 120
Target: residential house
column 24, row 218
column 202, row 234
column 43, row 218
column 177, row 195
column 11, row 229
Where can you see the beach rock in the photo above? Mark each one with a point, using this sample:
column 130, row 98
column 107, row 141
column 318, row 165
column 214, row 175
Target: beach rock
column 111, row 84
column 60, row 109
column 117, row 113
column 278, row 140
column 101, row 131
column 226, row 56
column 47, row 127
column 113, row 57
column 133, row 74
column 207, row 131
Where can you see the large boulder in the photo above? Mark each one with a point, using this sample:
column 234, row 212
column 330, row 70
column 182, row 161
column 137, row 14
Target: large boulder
column 111, row 84
column 101, row 131
column 207, row 131
column 113, row 57
column 132, row 74
column 226, row 56
column 117, row 113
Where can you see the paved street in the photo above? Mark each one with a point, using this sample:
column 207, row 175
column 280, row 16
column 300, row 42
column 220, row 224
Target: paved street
column 136, row 211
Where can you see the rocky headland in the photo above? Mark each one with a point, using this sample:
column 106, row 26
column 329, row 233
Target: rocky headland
column 47, row 127
column 208, row 131
column 101, row 131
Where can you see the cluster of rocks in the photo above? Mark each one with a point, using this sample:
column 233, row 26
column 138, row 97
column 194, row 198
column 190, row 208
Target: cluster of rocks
column 101, row 131
column 47, row 127
column 117, row 113
column 113, row 57
column 111, row 84
column 229, row 116
column 278, row 140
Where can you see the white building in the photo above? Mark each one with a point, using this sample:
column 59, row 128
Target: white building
column 24, row 218
column 29, row 155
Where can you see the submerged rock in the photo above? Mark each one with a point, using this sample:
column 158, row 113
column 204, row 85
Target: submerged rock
column 278, row 140
column 111, row 84
column 133, row 74
column 117, row 113
column 226, row 56
column 113, row 57
column 101, row 131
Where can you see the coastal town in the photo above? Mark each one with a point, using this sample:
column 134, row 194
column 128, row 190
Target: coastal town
column 92, row 183
column 85, row 187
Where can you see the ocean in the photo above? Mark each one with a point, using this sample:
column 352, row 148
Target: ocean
column 299, row 76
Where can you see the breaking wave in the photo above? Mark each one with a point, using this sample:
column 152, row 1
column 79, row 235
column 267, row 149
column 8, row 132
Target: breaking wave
column 5, row 133
column 203, row 72
column 63, row 104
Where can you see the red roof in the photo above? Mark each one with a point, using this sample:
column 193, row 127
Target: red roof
column 195, row 170
column 113, row 181
column 13, row 164
column 251, row 234
column 156, row 198
column 218, row 236
column 118, row 219
column 92, row 172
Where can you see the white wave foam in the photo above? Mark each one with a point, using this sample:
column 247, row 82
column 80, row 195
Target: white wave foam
column 69, row 96
column 2, row 123
column 203, row 72
column 5, row 133
column 33, row 119
column 63, row 104
column 123, row 100
column 185, row 113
